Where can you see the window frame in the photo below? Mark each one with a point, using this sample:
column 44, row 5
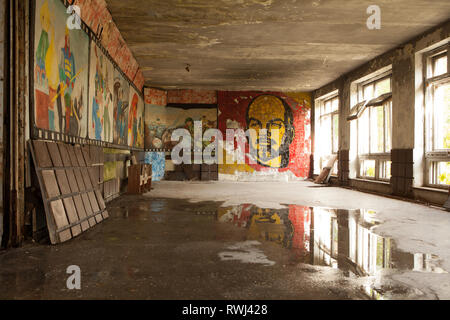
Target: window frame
column 433, row 156
column 331, row 114
column 378, row 157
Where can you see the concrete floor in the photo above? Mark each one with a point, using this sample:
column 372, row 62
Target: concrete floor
column 177, row 243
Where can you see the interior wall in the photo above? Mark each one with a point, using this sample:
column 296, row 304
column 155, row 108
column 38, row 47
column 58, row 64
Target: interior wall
column 407, row 115
column 166, row 111
column 235, row 109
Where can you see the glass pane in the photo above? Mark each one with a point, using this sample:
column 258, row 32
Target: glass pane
column 439, row 65
column 388, row 137
column 335, row 104
column 335, row 133
column 377, row 128
column 327, row 106
column 382, row 87
column 363, row 133
column 442, row 117
column 385, row 169
column 325, row 136
column 368, row 168
column 368, row 91
column 440, row 173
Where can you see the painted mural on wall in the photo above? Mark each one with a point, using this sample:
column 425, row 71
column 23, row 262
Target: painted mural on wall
column 136, row 120
column 158, row 162
column 289, row 113
column 161, row 121
column 60, row 71
column 121, row 94
column 101, row 89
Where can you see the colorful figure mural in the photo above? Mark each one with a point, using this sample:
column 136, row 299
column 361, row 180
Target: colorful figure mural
column 60, row 71
column 266, row 154
column 136, row 120
column 161, row 121
column 101, row 87
column 121, row 93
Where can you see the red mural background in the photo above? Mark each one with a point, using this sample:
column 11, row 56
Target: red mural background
column 232, row 110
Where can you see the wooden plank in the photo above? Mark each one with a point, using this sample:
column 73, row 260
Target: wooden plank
column 72, row 215
column 94, row 202
column 79, row 178
column 92, row 222
column 65, row 236
column 86, row 179
column 72, row 156
column 59, row 214
column 42, row 155
column 64, row 155
column 99, row 218
column 79, row 155
column 50, row 183
column 71, row 210
column 87, row 158
column 101, row 201
column 72, row 181
column 81, row 211
column 87, row 204
column 105, row 214
column 54, row 154
column 63, row 183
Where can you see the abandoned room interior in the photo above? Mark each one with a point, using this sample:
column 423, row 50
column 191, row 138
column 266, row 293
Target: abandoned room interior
column 228, row 149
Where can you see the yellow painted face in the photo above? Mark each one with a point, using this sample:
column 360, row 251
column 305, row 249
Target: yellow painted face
column 267, row 113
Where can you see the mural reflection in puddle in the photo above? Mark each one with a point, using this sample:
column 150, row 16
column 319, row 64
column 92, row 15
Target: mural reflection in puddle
column 341, row 239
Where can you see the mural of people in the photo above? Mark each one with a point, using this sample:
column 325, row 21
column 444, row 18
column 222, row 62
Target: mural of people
column 161, row 121
column 67, row 77
column 121, row 91
column 59, row 85
column 97, row 99
column 101, row 90
column 132, row 121
column 273, row 114
column 136, row 120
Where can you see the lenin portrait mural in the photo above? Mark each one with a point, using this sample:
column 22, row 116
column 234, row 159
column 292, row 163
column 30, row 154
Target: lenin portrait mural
column 267, row 115
column 279, row 136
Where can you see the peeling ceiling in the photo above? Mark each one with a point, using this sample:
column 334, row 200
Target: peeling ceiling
column 284, row 45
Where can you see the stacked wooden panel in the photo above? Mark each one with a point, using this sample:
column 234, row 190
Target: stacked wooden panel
column 72, row 200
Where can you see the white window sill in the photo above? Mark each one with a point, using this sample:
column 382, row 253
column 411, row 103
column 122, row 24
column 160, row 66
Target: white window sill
column 372, row 181
column 444, row 191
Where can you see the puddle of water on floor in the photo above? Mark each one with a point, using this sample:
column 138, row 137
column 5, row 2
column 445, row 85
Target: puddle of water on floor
column 341, row 239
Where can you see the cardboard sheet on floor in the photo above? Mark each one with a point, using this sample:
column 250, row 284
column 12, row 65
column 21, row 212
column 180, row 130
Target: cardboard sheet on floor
column 72, row 200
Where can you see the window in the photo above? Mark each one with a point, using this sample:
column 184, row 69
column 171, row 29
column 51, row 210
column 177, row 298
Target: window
column 327, row 130
column 437, row 118
column 373, row 114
